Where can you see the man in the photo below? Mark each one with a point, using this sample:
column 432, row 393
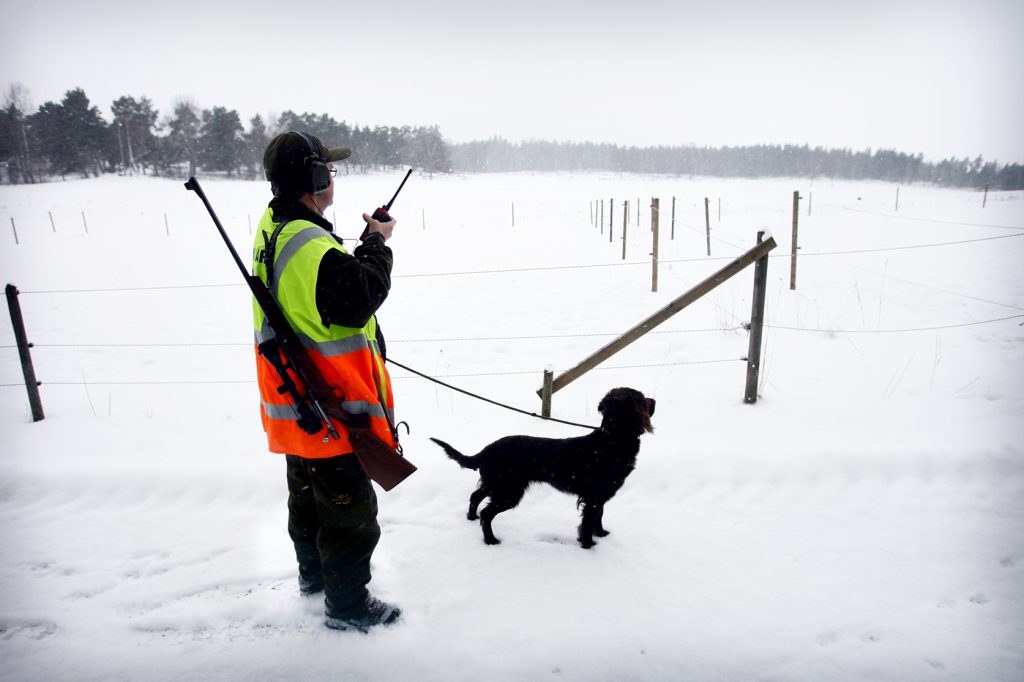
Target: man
column 330, row 298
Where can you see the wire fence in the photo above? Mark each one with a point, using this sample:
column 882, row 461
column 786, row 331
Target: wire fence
column 500, row 271
column 553, row 268
column 533, row 372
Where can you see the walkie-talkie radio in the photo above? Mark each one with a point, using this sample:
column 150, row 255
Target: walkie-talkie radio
column 381, row 213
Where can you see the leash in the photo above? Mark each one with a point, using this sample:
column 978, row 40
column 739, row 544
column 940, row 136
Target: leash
column 487, row 400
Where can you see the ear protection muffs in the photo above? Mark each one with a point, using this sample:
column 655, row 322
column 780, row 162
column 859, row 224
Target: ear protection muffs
column 317, row 176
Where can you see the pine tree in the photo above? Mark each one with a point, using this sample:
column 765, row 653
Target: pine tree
column 221, row 142
column 15, row 134
column 183, row 135
column 133, row 126
column 256, row 141
column 72, row 134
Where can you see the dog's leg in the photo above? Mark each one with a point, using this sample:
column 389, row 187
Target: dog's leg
column 599, row 529
column 495, row 507
column 474, row 502
column 589, row 524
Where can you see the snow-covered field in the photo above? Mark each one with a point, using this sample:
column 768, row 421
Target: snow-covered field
column 863, row 521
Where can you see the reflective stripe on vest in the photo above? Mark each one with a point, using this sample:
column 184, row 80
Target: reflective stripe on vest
column 287, row 411
column 328, row 349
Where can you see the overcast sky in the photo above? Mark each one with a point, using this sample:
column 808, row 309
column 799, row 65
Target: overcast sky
column 938, row 77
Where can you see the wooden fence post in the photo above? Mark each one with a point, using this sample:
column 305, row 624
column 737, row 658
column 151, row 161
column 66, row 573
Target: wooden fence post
column 167, row 226
column 52, row 225
column 85, row 224
column 23, row 350
column 707, row 223
column 897, row 207
column 985, row 198
column 14, row 230
column 673, row 218
column 756, row 326
column 792, row 260
column 654, row 253
column 513, row 214
column 625, row 225
column 545, row 394
column 601, row 222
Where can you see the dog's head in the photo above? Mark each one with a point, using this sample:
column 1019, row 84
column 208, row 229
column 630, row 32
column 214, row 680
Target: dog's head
column 626, row 410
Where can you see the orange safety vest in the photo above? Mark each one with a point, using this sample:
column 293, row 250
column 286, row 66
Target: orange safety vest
column 348, row 357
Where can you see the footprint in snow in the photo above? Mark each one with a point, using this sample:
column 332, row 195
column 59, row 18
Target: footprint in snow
column 28, row 629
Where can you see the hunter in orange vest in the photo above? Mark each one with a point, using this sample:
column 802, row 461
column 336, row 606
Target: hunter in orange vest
column 330, row 297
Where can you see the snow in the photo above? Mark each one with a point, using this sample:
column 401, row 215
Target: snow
column 862, row 521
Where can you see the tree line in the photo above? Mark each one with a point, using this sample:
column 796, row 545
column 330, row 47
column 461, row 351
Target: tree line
column 753, row 161
column 72, row 137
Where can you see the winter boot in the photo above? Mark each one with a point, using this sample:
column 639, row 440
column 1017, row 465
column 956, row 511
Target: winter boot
column 310, row 585
column 366, row 614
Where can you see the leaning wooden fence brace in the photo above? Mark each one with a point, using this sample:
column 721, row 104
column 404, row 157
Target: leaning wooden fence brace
column 21, row 339
column 760, row 251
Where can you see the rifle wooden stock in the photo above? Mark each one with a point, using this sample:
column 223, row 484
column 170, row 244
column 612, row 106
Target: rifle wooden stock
column 380, row 461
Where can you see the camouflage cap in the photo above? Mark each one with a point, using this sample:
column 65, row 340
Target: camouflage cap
column 284, row 160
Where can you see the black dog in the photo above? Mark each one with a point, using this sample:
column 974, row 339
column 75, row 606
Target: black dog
column 592, row 467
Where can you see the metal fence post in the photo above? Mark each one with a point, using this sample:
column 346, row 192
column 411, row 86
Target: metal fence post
column 792, row 262
column 756, row 326
column 673, row 217
column 625, row 225
column 655, row 203
column 23, row 350
column 707, row 223
column 611, row 219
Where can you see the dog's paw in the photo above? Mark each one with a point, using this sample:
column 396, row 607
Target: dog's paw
column 602, row 533
column 472, row 517
column 492, row 541
column 587, row 543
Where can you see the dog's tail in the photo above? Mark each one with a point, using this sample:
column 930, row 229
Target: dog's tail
column 464, row 461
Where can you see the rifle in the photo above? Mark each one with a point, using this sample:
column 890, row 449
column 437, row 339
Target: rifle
column 315, row 403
